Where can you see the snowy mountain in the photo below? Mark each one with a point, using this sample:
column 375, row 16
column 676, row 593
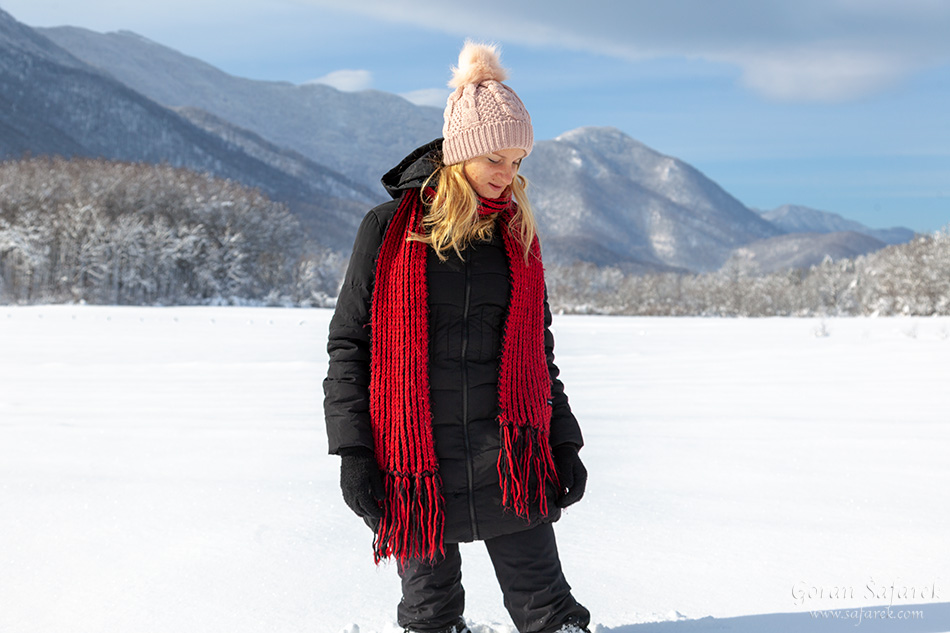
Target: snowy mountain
column 803, row 250
column 601, row 196
column 797, row 219
column 605, row 198
column 643, row 219
column 359, row 134
column 55, row 103
column 334, row 219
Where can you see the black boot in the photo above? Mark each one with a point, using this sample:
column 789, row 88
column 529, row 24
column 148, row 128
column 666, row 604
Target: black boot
column 458, row 627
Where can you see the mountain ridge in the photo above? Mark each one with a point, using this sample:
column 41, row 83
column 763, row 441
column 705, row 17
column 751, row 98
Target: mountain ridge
column 56, row 104
column 600, row 195
column 804, row 250
column 659, row 209
column 319, row 122
column 800, row 219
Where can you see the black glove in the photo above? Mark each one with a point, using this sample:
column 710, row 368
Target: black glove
column 571, row 473
column 362, row 484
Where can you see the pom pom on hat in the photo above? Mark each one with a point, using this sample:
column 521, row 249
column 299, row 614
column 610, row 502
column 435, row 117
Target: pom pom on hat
column 477, row 63
column 483, row 115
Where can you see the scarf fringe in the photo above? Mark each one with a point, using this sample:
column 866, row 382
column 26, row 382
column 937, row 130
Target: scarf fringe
column 414, row 522
column 525, row 467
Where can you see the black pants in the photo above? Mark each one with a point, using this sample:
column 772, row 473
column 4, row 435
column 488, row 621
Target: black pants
column 528, row 569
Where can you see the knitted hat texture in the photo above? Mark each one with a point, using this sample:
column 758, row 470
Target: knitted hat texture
column 483, row 115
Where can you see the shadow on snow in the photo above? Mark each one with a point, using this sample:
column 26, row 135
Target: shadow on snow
column 903, row 618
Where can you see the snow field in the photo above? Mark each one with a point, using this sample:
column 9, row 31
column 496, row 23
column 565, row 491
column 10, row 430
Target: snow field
column 165, row 469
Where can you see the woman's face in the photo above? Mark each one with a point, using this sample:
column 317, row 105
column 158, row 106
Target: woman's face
column 491, row 174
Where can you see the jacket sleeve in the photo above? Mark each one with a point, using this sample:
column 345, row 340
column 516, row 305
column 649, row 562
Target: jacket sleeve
column 564, row 426
column 346, row 387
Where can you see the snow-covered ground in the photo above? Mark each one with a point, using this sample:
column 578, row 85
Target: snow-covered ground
column 165, row 470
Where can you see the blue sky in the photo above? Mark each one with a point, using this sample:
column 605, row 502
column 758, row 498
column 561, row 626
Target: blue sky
column 839, row 105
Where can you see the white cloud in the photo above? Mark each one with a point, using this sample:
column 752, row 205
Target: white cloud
column 821, row 76
column 434, row 97
column 346, row 80
column 808, row 50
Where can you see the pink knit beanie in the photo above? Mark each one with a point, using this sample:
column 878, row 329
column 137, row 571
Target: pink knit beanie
column 483, row 115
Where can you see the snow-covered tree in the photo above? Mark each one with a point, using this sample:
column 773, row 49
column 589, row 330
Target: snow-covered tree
column 110, row 232
column 912, row 278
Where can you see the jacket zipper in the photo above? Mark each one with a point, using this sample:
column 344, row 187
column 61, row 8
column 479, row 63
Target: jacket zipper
column 470, row 470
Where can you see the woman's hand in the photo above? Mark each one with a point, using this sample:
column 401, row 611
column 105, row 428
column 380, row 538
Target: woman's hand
column 362, row 484
column 571, row 473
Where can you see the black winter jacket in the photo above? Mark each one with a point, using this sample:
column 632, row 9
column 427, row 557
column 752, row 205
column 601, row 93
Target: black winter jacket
column 468, row 302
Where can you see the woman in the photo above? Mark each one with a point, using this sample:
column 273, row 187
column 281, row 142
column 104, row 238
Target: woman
column 442, row 394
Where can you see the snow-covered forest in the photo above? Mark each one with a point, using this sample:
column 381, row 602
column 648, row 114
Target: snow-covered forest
column 108, row 232
column 907, row 279
column 104, row 232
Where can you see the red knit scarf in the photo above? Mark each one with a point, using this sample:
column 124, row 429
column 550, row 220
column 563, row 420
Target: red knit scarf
column 413, row 521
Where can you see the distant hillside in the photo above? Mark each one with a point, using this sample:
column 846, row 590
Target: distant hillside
column 602, row 197
column 804, row 250
column 349, row 199
column 797, row 219
column 359, row 134
column 53, row 103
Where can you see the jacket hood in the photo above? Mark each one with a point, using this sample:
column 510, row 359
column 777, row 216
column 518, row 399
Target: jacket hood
column 414, row 169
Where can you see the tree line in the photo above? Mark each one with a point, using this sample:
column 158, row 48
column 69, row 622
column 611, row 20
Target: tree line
column 106, row 232
column 906, row 279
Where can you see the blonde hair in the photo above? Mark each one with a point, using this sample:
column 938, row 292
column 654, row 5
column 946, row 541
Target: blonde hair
column 452, row 220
